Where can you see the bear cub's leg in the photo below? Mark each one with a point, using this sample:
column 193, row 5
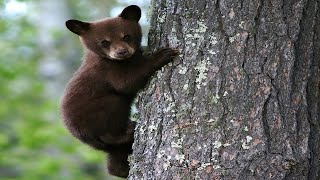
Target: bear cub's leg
column 118, row 164
column 119, row 139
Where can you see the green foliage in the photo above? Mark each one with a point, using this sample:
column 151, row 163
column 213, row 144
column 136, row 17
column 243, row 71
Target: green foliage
column 33, row 141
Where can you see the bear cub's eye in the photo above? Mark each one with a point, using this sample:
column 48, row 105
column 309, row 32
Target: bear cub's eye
column 105, row 43
column 127, row 38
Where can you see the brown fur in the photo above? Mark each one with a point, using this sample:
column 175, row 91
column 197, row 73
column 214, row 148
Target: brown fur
column 97, row 100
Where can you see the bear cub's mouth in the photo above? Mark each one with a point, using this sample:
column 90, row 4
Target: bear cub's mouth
column 121, row 53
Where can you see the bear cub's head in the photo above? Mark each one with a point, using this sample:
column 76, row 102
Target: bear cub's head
column 115, row 38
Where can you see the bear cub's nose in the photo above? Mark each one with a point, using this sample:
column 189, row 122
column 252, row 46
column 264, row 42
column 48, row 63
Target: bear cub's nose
column 122, row 52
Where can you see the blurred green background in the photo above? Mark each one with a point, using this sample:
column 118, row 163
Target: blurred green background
column 37, row 57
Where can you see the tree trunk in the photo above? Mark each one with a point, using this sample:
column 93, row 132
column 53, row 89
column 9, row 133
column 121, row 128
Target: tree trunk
column 241, row 101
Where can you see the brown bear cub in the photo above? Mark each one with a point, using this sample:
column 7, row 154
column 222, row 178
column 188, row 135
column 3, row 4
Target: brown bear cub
column 97, row 100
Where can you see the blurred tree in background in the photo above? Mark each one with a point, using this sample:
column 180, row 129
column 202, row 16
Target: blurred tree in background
column 38, row 56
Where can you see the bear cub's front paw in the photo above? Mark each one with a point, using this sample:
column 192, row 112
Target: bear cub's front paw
column 166, row 55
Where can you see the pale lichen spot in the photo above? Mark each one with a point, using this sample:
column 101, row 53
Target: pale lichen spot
column 185, row 87
column 215, row 99
column 249, row 139
column 152, row 127
column 245, row 143
column 217, row 144
column 196, row 33
column 213, row 154
column 211, row 120
column 162, row 17
column 232, row 39
column 212, row 52
column 170, row 106
column 204, row 165
column 180, row 158
column 183, row 70
column 213, row 39
column 141, row 130
column 160, row 154
column 202, row 27
column 225, row 94
column 241, row 25
column 177, row 144
column 202, row 75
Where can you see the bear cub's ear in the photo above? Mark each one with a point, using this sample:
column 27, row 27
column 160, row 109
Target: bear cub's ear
column 132, row 12
column 77, row 27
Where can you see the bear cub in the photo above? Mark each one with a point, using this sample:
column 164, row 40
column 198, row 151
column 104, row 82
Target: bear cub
column 97, row 100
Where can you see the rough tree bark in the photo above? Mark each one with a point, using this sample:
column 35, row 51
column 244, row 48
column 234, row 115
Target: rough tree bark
column 242, row 100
